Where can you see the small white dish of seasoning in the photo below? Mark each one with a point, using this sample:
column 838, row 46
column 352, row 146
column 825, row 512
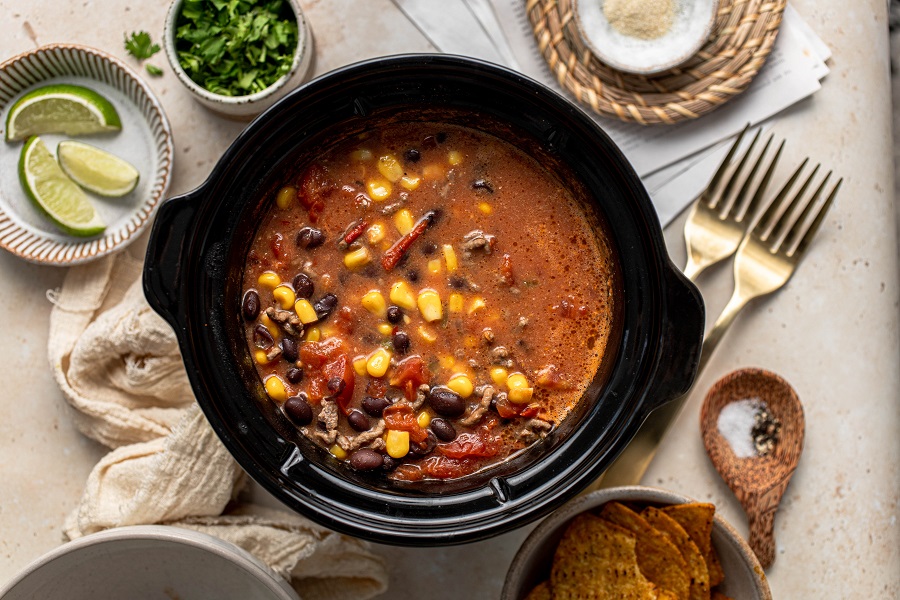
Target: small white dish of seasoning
column 645, row 36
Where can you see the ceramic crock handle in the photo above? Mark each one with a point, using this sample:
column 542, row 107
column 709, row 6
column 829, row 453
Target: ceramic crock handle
column 165, row 259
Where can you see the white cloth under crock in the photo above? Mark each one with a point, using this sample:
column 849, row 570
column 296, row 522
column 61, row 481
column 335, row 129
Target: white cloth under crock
column 118, row 365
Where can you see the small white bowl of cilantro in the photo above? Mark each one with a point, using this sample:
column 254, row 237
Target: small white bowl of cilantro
column 238, row 57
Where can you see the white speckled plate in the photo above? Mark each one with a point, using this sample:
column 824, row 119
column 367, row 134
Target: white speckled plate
column 145, row 141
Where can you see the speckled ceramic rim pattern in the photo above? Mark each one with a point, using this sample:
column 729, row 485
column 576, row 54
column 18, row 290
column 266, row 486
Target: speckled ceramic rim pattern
column 240, row 558
column 57, row 60
column 522, row 576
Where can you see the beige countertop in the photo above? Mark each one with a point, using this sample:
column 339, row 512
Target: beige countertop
column 832, row 332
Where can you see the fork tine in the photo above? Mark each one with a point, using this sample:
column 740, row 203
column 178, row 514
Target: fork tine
column 796, row 230
column 768, row 217
column 732, row 181
column 707, row 194
column 738, row 207
column 757, row 198
column 814, row 227
column 785, row 221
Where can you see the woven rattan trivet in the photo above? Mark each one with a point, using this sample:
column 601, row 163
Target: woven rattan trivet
column 740, row 41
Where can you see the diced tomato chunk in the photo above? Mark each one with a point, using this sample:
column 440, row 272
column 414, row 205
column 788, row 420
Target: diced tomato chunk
column 467, row 445
column 507, row 409
column 409, row 374
column 328, row 360
column 401, row 418
column 442, row 467
column 316, row 354
column 407, row 472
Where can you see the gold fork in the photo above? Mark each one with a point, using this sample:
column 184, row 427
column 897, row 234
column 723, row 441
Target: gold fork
column 717, row 222
column 765, row 260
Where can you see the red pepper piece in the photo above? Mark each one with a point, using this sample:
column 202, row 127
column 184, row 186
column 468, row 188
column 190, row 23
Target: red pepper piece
column 393, row 254
column 352, row 233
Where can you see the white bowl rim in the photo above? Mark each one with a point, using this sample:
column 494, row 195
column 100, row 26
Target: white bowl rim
column 168, row 533
column 300, row 53
column 637, row 493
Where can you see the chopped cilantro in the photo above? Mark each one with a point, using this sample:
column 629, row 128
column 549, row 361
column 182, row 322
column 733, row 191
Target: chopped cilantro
column 153, row 70
column 235, row 47
column 140, row 46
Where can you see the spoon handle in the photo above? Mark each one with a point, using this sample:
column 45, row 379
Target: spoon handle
column 762, row 535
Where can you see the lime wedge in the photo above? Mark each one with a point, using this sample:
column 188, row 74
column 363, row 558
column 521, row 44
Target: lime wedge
column 61, row 108
column 54, row 193
column 96, row 170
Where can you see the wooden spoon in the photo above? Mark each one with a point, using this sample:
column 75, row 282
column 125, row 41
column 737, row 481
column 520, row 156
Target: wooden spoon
column 758, row 482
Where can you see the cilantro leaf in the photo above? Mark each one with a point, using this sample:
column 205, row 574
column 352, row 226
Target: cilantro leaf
column 140, row 45
column 153, row 70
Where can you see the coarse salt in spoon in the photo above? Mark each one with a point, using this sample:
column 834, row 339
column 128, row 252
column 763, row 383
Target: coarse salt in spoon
column 741, row 404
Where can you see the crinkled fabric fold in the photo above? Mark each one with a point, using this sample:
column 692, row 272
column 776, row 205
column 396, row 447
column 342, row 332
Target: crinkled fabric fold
column 119, row 367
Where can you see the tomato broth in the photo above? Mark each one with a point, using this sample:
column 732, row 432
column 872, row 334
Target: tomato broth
column 426, row 300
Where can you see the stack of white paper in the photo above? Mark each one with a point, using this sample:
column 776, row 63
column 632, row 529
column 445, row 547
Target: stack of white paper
column 665, row 156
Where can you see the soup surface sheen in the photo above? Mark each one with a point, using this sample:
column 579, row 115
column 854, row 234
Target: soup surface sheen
column 426, row 300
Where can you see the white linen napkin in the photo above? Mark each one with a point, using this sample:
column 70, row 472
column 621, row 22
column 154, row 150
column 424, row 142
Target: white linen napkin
column 118, row 365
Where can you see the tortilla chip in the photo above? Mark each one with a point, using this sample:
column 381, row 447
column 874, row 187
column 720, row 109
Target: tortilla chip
column 696, row 518
column 696, row 564
column 658, row 558
column 541, row 591
column 596, row 560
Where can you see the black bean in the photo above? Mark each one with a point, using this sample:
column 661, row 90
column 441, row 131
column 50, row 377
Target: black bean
column 298, row 410
column 424, row 447
column 375, row 406
column 365, row 459
column 250, row 305
column 310, row 237
column 412, row 275
column 446, row 402
column 289, row 349
column 457, row 282
column 303, row 286
column 400, row 339
column 481, row 184
column 325, row 305
column 394, row 314
column 358, row 420
column 443, row 429
column 429, row 248
column 294, row 375
column 441, row 137
column 429, row 142
column 388, row 463
column 336, row 385
column 262, row 338
column 412, row 155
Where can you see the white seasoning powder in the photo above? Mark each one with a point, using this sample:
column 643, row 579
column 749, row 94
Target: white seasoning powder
column 736, row 422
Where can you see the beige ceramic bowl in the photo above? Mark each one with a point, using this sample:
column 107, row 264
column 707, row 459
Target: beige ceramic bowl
column 244, row 107
column 744, row 578
column 691, row 24
column 148, row 562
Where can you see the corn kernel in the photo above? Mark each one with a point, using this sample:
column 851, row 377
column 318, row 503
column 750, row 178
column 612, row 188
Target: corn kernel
column 313, row 334
column 454, row 157
column 402, row 296
column 430, row 305
column 516, row 380
column 275, row 389
column 374, row 302
column 357, row 258
column 410, row 182
column 338, row 452
column 477, row 303
column 378, row 362
column 390, row 167
column 462, row 385
column 286, row 197
column 427, row 334
column 434, row 171
column 447, row 361
column 359, row 365
column 269, row 279
column 403, row 221
column 260, row 357
column 397, row 443
column 434, row 266
column 406, row 319
column 284, row 296
column 455, row 304
column 423, row 419
column 274, row 330
column 450, row 257
column 361, row 154
column 521, row 395
column 385, row 329
column 379, row 189
column 376, row 232
column 485, row 208
column 498, row 375
column 305, row 311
